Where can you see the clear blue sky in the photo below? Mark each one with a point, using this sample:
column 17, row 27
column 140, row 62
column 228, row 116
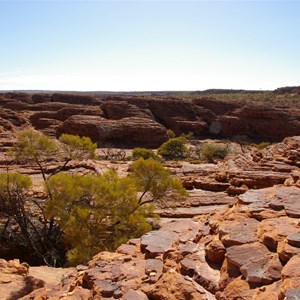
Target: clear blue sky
column 149, row 45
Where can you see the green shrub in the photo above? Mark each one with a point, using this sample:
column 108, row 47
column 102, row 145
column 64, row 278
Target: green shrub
column 262, row 145
column 75, row 147
column 171, row 134
column 212, row 152
column 143, row 153
column 174, row 148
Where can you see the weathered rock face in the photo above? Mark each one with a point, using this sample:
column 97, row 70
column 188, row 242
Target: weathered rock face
column 203, row 116
column 179, row 116
column 263, row 123
column 127, row 131
column 116, row 110
column 74, row 99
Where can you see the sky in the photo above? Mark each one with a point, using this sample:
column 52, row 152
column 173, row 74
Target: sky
column 149, row 45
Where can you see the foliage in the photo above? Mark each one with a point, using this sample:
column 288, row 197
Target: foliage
column 171, row 134
column 75, row 147
column 13, row 181
column 42, row 236
column 211, row 152
column 12, row 187
column 34, row 232
column 33, row 146
column 96, row 212
column 155, row 182
column 263, row 145
column 143, row 153
column 174, row 148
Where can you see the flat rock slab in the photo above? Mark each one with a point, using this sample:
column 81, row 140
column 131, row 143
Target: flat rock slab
column 290, row 199
column 158, row 242
column 276, row 198
column 256, row 263
column 190, row 212
column 238, row 232
column 294, row 239
column 187, row 229
column 134, row 295
column 206, row 198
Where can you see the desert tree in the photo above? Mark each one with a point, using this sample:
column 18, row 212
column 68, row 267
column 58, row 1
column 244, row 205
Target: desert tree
column 99, row 212
column 42, row 236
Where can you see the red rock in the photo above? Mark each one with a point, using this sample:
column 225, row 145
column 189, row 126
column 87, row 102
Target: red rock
column 238, row 232
column 290, row 278
column 158, row 242
column 174, row 286
column 74, row 99
column 263, row 122
column 116, row 110
column 134, row 295
column 286, row 251
column 256, row 179
column 294, row 239
column 256, row 263
column 127, row 131
column 267, row 292
column 210, row 186
column 179, row 116
column 237, row 289
column 154, row 269
column 215, row 251
column 272, row 231
column 195, row 266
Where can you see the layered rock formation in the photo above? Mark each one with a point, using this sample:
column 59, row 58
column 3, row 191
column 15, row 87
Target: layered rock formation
column 203, row 116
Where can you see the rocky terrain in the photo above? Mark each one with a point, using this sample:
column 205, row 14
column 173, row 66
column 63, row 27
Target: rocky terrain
column 237, row 236
column 143, row 120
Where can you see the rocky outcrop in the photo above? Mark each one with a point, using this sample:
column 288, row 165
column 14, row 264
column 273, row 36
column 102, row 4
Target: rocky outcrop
column 116, row 110
column 264, row 123
column 75, row 99
column 202, row 116
column 130, row 131
column 180, row 116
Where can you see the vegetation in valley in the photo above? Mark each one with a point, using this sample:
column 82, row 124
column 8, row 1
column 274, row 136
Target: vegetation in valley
column 212, row 152
column 174, row 148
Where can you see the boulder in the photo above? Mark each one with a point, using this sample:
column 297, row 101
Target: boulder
column 238, row 232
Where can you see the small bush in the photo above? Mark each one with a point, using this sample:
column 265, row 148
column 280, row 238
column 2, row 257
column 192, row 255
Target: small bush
column 262, row 145
column 171, row 134
column 212, row 152
column 143, row 153
column 174, row 148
